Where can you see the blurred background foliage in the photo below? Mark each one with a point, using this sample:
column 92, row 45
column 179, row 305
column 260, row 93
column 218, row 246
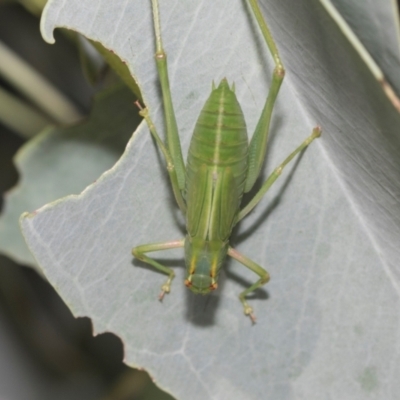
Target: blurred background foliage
column 45, row 352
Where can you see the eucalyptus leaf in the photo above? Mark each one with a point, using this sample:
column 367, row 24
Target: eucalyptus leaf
column 328, row 231
column 61, row 161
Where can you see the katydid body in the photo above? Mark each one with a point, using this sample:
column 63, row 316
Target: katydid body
column 221, row 167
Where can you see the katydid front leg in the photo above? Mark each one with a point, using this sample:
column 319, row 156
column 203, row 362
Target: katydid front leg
column 139, row 253
column 261, row 272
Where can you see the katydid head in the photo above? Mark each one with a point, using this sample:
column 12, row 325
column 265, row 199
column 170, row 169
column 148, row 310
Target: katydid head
column 204, row 259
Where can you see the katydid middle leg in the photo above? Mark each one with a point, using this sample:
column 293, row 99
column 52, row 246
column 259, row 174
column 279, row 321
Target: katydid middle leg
column 144, row 112
column 276, row 173
column 261, row 272
column 139, row 253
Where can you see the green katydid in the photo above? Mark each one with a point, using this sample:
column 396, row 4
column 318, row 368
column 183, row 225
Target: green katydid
column 221, row 166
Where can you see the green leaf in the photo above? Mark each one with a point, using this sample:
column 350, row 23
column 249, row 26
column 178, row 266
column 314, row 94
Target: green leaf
column 328, row 231
column 62, row 161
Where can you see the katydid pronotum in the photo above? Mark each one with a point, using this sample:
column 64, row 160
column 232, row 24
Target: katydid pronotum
column 221, row 166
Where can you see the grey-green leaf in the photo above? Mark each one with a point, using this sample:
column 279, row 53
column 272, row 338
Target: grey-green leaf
column 61, row 161
column 328, row 232
column 377, row 25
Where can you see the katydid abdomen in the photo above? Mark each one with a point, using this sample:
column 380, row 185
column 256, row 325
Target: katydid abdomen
column 215, row 177
column 220, row 136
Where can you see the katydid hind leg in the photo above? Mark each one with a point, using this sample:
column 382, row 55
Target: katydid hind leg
column 173, row 142
column 259, row 140
column 260, row 271
column 139, row 253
